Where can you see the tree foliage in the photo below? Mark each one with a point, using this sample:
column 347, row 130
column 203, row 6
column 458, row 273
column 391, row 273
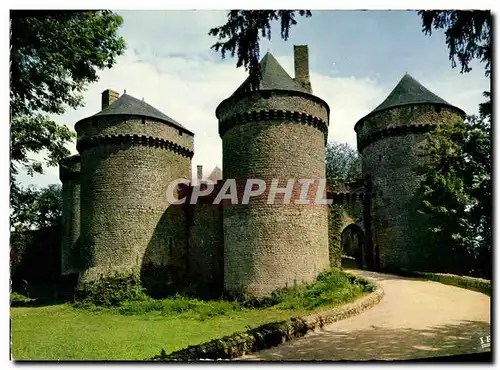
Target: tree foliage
column 34, row 208
column 468, row 36
column 54, row 56
column 457, row 189
column 242, row 31
column 457, row 192
column 34, row 134
column 342, row 162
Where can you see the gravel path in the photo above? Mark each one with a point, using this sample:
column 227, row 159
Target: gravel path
column 415, row 319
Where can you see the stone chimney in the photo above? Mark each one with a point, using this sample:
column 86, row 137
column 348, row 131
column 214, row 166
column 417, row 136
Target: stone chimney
column 199, row 172
column 108, row 97
column 301, row 62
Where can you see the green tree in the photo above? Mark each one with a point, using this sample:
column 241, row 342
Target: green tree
column 241, row 35
column 457, row 191
column 457, row 194
column 468, row 36
column 342, row 162
column 54, row 56
column 32, row 209
column 37, row 208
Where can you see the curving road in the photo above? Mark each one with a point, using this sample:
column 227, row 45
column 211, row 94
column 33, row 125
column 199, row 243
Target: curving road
column 415, row 319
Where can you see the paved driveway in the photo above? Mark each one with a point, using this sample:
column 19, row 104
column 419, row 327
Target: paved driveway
column 415, row 319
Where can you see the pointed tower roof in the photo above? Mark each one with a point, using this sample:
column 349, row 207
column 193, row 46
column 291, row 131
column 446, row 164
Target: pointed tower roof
column 410, row 91
column 216, row 174
column 128, row 105
column 274, row 77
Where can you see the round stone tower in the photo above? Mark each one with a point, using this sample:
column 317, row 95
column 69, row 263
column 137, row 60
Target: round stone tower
column 390, row 139
column 130, row 152
column 278, row 132
column 69, row 174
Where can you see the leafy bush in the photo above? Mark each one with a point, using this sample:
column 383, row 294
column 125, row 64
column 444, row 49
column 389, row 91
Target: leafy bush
column 110, row 291
column 467, row 282
column 330, row 288
column 180, row 305
column 124, row 295
column 17, row 299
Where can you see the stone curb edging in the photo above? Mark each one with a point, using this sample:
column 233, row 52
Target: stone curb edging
column 271, row 334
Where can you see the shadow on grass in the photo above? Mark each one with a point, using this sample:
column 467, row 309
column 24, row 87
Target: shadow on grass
column 375, row 343
column 40, row 302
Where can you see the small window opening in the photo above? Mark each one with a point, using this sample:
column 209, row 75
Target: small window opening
column 180, row 132
column 379, row 158
column 438, row 109
column 143, row 120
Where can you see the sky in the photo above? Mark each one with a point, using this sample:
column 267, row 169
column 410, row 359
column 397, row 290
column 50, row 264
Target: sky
column 356, row 59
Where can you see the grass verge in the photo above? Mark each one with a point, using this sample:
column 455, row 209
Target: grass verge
column 139, row 329
column 466, row 282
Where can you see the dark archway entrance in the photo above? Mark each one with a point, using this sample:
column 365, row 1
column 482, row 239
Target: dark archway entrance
column 352, row 242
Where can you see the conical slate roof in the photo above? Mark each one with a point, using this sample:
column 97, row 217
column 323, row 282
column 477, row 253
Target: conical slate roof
column 128, row 105
column 273, row 77
column 409, row 91
column 216, row 174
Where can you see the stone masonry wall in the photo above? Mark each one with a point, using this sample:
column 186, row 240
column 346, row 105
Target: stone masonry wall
column 69, row 174
column 347, row 209
column 206, row 247
column 390, row 142
column 127, row 221
column 271, row 246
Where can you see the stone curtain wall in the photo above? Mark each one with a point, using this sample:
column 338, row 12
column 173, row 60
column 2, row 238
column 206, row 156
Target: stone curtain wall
column 267, row 247
column 127, row 164
column 206, row 247
column 347, row 209
column 69, row 174
column 390, row 142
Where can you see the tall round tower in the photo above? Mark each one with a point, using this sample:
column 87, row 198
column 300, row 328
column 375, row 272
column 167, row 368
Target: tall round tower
column 390, row 140
column 69, row 174
column 278, row 132
column 130, row 152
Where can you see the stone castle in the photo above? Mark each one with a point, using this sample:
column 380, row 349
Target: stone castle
column 117, row 219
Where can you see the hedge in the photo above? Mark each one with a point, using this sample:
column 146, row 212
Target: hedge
column 466, row 282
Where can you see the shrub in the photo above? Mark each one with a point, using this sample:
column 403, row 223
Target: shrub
column 124, row 295
column 110, row 291
column 467, row 282
column 180, row 305
column 330, row 287
column 17, row 299
column 333, row 287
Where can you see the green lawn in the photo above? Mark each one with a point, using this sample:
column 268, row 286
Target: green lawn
column 140, row 329
column 62, row 332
